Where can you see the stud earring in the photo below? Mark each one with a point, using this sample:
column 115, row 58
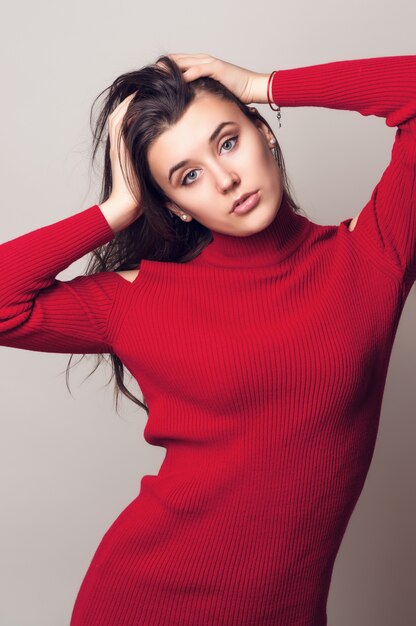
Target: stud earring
column 183, row 216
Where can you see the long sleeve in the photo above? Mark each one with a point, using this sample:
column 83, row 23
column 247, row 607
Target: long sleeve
column 39, row 312
column 384, row 87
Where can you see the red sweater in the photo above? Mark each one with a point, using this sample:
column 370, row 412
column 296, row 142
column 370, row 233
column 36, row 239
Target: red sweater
column 263, row 362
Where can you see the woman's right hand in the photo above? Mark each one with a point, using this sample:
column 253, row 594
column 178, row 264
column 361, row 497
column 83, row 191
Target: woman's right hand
column 121, row 208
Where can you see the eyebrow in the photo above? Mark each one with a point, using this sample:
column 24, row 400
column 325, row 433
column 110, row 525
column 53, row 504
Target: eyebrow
column 211, row 139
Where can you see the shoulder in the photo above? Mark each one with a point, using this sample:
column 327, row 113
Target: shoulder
column 353, row 222
column 128, row 275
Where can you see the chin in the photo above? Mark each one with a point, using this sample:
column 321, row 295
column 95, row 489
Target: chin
column 268, row 216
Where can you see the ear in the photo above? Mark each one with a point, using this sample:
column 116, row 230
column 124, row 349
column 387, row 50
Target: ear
column 264, row 129
column 177, row 211
column 174, row 208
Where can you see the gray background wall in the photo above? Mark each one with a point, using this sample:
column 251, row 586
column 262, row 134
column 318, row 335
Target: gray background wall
column 69, row 465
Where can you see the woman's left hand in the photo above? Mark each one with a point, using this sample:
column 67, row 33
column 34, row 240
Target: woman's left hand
column 247, row 85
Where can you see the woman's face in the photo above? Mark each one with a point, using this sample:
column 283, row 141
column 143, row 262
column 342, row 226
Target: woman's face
column 237, row 159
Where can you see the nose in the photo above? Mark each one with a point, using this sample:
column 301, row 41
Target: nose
column 225, row 178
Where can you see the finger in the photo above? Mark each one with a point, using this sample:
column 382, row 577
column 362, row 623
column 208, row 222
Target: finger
column 174, row 57
column 193, row 73
column 193, row 70
column 181, row 55
column 120, row 109
column 124, row 102
column 193, row 59
column 185, row 62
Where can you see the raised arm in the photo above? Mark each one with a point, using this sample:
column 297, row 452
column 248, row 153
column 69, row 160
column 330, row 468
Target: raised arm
column 381, row 86
column 39, row 312
column 384, row 87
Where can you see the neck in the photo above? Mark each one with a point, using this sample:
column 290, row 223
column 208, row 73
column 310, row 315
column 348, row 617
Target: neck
column 263, row 249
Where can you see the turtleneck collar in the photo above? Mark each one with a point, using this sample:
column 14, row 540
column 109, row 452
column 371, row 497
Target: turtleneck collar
column 263, row 249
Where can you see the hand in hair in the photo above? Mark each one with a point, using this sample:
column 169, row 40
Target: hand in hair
column 248, row 86
column 123, row 205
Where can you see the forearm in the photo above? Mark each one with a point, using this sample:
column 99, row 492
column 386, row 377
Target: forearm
column 259, row 88
column 30, row 263
column 381, row 86
column 117, row 217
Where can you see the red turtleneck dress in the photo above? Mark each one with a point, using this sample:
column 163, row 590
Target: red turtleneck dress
column 263, row 362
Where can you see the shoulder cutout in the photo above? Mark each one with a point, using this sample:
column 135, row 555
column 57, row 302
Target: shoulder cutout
column 129, row 275
column 353, row 222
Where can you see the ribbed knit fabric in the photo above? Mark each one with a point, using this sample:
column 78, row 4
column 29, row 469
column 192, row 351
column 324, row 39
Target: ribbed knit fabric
column 263, row 362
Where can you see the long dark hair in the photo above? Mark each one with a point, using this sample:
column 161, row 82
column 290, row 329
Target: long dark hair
column 162, row 97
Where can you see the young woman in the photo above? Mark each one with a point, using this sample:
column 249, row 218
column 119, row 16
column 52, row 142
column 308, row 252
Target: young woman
column 260, row 340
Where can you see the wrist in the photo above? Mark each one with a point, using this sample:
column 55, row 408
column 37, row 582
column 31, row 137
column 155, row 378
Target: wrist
column 260, row 89
column 116, row 215
column 269, row 92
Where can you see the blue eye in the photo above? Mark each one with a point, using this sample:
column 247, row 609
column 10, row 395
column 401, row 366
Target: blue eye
column 228, row 140
column 185, row 178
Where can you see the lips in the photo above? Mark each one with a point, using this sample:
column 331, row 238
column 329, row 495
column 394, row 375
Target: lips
column 241, row 199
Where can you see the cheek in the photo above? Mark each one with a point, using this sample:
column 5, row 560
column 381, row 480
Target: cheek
column 263, row 161
column 262, row 153
column 196, row 201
